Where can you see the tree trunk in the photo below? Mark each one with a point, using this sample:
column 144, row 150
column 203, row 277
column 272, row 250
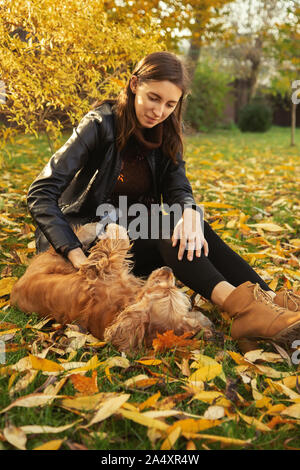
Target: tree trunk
column 193, row 57
column 195, row 47
column 253, row 81
column 293, row 123
column 192, row 61
column 255, row 58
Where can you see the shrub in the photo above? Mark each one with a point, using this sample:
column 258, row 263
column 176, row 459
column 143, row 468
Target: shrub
column 255, row 117
column 206, row 103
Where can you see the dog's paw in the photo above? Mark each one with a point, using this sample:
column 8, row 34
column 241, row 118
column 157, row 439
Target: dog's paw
column 115, row 232
column 87, row 233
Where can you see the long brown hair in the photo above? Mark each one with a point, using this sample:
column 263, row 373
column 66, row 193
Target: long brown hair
column 157, row 66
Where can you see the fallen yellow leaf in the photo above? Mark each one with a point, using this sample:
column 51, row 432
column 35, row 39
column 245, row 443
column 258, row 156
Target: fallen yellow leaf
column 23, row 382
column 293, row 411
column 269, row 227
column 15, row 436
column 35, row 429
column 117, row 361
column 279, row 387
column 6, row 285
column 108, row 408
column 295, row 242
column 218, row 205
column 269, row 372
column 194, row 425
column 134, row 380
column 150, row 362
column 254, row 422
column 237, row 357
column 86, row 403
column 92, row 364
column 35, row 399
column 205, row 373
column 263, row 402
column 169, row 442
column 275, row 409
column 149, row 402
column 38, row 363
column 224, row 440
column 144, row 420
column 9, row 332
column 212, row 397
column 259, row 354
column 50, row 445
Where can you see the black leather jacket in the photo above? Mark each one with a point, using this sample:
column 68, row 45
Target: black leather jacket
column 82, row 173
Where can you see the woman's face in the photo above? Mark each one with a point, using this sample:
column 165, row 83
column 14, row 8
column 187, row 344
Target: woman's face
column 154, row 100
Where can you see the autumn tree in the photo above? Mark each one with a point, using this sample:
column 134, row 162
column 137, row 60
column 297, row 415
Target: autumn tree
column 196, row 21
column 57, row 57
column 252, row 29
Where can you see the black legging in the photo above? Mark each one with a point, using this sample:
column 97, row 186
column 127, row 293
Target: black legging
column 201, row 274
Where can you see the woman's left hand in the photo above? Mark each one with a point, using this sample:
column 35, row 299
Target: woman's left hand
column 189, row 231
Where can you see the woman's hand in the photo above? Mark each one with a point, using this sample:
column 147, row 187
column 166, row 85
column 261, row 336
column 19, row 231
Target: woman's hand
column 189, row 231
column 77, row 257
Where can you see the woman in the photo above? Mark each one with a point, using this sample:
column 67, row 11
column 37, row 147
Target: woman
column 133, row 147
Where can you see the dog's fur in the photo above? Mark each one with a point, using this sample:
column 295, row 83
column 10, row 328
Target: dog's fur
column 104, row 297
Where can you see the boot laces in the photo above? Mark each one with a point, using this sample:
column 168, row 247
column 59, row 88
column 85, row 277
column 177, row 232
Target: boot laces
column 290, row 295
column 262, row 296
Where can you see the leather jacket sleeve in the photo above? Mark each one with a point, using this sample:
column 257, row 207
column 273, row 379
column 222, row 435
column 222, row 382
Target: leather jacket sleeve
column 44, row 192
column 177, row 188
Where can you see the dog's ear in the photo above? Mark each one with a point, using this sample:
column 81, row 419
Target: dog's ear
column 128, row 331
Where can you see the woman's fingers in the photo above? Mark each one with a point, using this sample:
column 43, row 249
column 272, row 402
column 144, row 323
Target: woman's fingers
column 198, row 247
column 182, row 247
column 205, row 246
column 190, row 241
column 176, row 236
column 192, row 246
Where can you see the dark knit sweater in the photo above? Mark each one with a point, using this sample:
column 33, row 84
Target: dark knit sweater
column 135, row 179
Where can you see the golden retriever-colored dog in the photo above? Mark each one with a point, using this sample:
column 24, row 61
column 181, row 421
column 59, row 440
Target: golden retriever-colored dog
column 104, row 297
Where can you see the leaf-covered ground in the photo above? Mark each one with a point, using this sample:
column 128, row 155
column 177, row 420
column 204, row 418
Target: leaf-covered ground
column 62, row 389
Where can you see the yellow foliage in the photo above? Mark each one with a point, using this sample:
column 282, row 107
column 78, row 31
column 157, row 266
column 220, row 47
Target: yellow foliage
column 57, row 58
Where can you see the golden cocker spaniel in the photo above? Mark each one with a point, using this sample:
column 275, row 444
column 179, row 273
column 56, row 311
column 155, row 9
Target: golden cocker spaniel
column 104, row 297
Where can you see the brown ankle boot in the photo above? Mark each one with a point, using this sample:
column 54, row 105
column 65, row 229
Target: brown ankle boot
column 255, row 316
column 286, row 298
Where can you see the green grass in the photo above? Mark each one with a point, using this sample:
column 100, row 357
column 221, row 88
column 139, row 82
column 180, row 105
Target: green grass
column 252, row 173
